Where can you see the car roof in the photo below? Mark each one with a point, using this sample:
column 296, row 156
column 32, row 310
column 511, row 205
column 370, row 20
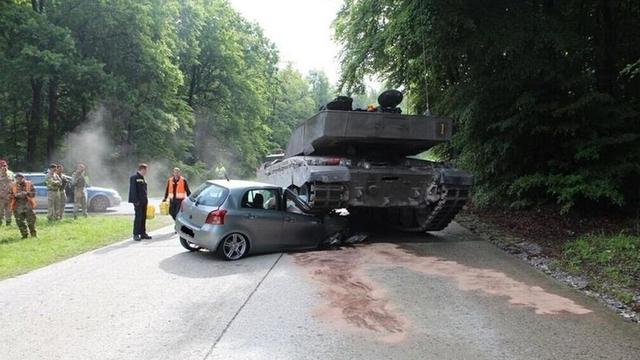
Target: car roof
column 241, row 184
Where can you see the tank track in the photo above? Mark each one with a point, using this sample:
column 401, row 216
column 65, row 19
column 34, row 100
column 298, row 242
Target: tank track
column 452, row 200
column 433, row 218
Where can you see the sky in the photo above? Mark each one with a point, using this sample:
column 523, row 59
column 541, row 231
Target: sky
column 301, row 29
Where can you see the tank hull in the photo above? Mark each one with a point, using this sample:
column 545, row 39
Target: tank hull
column 361, row 161
column 411, row 188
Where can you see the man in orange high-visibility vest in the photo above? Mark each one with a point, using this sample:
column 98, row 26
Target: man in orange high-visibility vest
column 23, row 202
column 176, row 191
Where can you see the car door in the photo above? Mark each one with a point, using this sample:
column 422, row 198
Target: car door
column 301, row 228
column 262, row 219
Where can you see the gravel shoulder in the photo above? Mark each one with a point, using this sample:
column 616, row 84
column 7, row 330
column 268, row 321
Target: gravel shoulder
column 542, row 249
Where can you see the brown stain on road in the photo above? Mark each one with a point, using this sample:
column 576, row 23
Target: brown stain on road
column 354, row 300
column 358, row 302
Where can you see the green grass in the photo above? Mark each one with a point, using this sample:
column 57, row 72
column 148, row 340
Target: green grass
column 61, row 240
column 612, row 262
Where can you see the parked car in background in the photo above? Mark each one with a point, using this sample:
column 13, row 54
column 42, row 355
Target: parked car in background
column 99, row 199
column 237, row 218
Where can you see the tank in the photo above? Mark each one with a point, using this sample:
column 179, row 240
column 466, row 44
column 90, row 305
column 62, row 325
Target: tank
column 365, row 161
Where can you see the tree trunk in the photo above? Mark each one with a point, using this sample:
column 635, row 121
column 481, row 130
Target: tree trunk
column 33, row 127
column 52, row 125
column 607, row 73
column 192, row 85
column 84, row 111
column 37, row 5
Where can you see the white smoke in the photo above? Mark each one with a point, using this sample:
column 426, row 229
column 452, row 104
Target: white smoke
column 89, row 144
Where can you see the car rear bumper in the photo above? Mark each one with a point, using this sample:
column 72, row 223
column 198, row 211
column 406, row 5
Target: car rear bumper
column 207, row 236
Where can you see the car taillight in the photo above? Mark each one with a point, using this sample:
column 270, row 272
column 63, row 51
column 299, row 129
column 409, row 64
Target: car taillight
column 216, row 217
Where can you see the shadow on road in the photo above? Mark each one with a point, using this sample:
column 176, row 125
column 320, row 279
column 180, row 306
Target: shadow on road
column 205, row 264
column 452, row 234
column 125, row 244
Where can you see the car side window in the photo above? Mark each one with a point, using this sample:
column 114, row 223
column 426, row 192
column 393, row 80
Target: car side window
column 293, row 208
column 264, row 199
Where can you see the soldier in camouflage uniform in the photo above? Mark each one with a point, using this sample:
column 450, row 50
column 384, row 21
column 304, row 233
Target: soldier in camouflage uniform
column 54, row 188
column 23, row 202
column 79, row 182
column 6, row 182
column 66, row 182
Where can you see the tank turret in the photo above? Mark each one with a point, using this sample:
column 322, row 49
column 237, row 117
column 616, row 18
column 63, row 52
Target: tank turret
column 364, row 160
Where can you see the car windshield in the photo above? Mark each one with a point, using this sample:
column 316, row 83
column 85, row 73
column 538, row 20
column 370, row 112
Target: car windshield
column 209, row 194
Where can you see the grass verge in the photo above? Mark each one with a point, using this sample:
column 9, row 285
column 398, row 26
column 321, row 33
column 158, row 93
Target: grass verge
column 63, row 239
column 611, row 261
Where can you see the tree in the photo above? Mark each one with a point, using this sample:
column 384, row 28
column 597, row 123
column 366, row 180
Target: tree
column 321, row 89
column 538, row 89
column 294, row 102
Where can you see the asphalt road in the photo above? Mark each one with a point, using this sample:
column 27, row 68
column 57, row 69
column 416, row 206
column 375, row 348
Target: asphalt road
column 126, row 208
column 447, row 295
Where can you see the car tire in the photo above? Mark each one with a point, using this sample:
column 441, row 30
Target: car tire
column 189, row 245
column 233, row 247
column 99, row 204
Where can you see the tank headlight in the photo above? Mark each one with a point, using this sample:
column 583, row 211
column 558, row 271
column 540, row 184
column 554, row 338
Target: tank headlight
column 366, row 165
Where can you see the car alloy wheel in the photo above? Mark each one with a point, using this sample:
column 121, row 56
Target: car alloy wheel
column 234, row 247
column 189, row 245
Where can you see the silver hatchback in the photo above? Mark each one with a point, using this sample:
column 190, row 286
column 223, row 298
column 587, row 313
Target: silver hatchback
column 237, row 217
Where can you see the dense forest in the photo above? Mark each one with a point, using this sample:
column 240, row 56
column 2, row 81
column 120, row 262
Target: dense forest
column 188, row 82
column 545, row 94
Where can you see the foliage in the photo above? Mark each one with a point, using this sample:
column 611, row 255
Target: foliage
column 321, row 89
column 610, row 259
column 544, row 94
column 190, row 82
column 295, row 102
column 61, row 240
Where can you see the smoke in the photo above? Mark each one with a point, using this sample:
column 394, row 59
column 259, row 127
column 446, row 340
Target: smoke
column 89, row 144
column 108, row 166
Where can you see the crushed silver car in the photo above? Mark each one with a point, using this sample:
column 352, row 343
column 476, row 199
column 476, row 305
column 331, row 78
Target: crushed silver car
column 236, row 218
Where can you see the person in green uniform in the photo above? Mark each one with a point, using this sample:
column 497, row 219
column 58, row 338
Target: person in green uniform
column 23, row 202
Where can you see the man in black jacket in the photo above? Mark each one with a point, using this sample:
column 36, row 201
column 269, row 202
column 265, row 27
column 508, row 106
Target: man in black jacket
column 138, row 197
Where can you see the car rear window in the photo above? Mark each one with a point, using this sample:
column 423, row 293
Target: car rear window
column 209, row 194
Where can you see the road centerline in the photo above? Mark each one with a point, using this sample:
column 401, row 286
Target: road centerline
column 242, row 307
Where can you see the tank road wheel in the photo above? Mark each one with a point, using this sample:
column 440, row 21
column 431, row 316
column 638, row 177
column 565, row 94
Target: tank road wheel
column 408, row 219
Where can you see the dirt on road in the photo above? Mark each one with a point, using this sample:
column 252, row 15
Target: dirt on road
column 356, row 301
